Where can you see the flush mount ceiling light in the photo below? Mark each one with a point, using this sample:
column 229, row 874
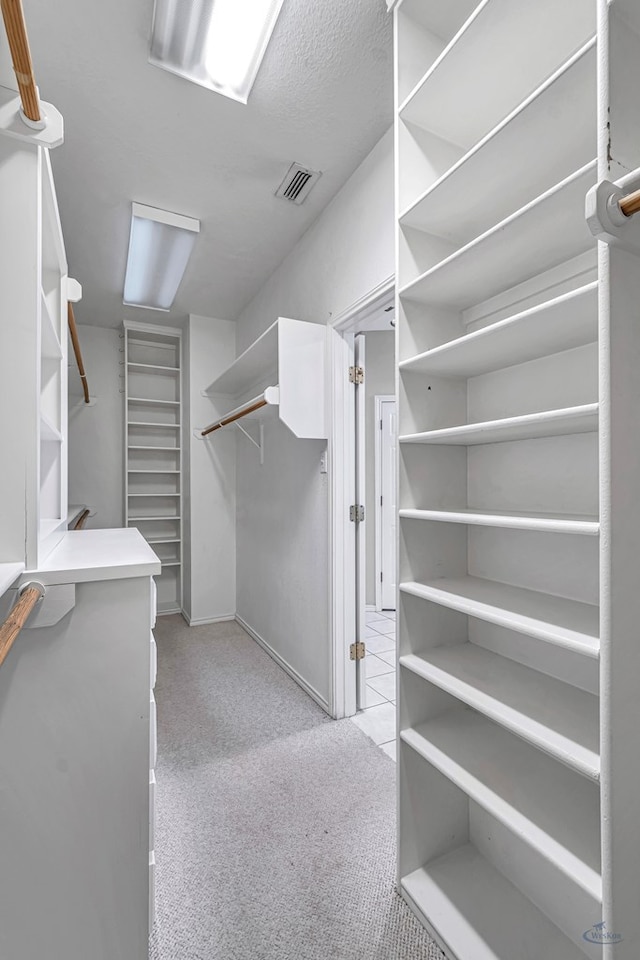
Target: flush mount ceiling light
column 216, row 43
column 160, row 244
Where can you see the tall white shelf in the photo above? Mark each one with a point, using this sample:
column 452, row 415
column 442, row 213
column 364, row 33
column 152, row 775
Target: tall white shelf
column 517, row 520
column 153, row 462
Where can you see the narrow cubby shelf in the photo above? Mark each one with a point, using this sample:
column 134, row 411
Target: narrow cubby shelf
column 545, row 803
column 566, row 623
column 558, row 523
column 556, row 325
column 551, row 715
column 478, row 913
column 496, row 37
column 549, row 423
column 550, row 228
column 562, row 110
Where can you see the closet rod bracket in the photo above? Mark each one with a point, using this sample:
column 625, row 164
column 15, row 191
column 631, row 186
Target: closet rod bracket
column 259, row 444
column 605, row 212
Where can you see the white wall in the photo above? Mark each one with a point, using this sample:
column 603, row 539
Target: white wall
column 379, row 378
column 209, row 590
column 96, row 433
column 282, row 529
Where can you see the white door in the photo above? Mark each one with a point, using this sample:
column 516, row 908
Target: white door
column 387, row 503
column 361, row 542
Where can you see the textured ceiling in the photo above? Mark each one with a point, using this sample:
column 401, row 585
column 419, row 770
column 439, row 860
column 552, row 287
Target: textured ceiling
column 323, row 97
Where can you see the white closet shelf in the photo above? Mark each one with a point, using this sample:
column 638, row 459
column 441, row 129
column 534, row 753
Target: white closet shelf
column 155, row 403
column 139, row 519
column 132, row 446
column 151, row 367
column 565, row 623
column 552, row 808
column 550, row 523
column 162, row 540
column 549, row 423
column 496, row 36
column 566, row 322
column 153, row 494
column 478, row 913
column 170, row 563
column 560, row 111
column 158, row 472
column 555, row 717
column 258, row 360
column 535, row 238
column 50, row 345
column 146, row 423
column 48, row 431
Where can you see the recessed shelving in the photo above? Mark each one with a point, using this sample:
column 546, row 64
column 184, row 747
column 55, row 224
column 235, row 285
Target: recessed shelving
column 558, row 523
column 550, row 228
column 565, row 322
column 480, row 914
column 549, row 423
column 553, row 716
column 566, row 623
column 543, row 802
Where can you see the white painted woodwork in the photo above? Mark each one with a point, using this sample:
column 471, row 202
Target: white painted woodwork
column 518, row 348
column 288, row 363
column 153, row 464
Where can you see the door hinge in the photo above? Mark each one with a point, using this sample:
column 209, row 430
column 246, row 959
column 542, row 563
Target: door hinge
column 356, row 374
column 357, row 651
column 356, row 513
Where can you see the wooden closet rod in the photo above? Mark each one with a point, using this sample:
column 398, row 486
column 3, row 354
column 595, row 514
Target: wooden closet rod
column 236, row 416
column 16, row 28
column 73, row 330
column 79, row 524
column 29, row 596
column 630, row 204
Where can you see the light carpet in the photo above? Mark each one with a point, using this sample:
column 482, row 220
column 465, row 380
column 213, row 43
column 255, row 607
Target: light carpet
column 275, row 835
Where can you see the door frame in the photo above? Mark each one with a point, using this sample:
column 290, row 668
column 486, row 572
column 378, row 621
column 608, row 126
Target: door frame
column 379, row 400
column 341, row 469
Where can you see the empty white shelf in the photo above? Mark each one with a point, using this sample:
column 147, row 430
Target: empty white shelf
column 162, row 540
column 153, row 494
column 258, row 360
column 553, row 716
column 549, row 423
column 535, row 238
column 151, row 367
column 132, row 446
column 499, row 40
column 48, row 431
column 477, row 913
column 146, row 423
column 170, row 563
column 160, row 472
column 155, row 403
column 545, row 803
column 563, row 323
column 565, row 623
column 138, row 519
column 550, row 523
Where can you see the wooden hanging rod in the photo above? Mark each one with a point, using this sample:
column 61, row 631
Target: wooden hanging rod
column 251, row 408
column 16, row 28
column 630, row 204
column 80, row 522
column 30, row 594
column 73, row 330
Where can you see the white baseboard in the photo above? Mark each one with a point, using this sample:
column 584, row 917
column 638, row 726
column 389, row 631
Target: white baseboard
column 202, row 622
column 293, row 673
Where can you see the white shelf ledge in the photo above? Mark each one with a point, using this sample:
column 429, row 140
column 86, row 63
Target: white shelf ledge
column 549, row 423
column 258, row 360
column 499, row 40
column 549, row 523
column 155, row 403
column 151, row 367
column 544, row 802
column 139, row 519
column 90, row 555
column 158, row 472
column 552, row 716
column 170, row 563
column 153, row 494
column 561, row 111
column 48, row 431
column 564, row 623
column 535, row 238
column 478, row 913
column 132, row 446
column 563, row 323
column 147, row 423
column 162, row 540
column 50, row 344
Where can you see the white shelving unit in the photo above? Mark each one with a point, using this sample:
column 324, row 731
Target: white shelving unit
column 153, row 478
column 282, row 374
column 518, row 525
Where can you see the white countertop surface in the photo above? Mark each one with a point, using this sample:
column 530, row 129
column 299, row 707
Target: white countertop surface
column 90, row 555
column 8, row 573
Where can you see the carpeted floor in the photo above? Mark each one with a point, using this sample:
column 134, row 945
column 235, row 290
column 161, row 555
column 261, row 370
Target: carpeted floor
column 275, row 825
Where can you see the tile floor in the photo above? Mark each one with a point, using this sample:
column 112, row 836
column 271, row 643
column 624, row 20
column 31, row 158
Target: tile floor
column 378, row 719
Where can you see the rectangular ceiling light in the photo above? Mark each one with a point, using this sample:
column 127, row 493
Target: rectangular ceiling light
column 216, row 43
column 160, row 244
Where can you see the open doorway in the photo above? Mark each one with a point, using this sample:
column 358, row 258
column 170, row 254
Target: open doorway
column 364, row 482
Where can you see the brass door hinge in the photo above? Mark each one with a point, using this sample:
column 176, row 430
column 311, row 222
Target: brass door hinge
column 356, row 374
column 357, row 651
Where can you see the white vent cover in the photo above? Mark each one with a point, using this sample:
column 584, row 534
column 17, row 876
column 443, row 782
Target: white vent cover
column 298, row 183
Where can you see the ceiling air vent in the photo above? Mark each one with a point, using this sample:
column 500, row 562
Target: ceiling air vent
column 298, row 183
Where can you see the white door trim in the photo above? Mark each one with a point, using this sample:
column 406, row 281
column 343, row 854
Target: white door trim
column 341, row 464
column 379, row 400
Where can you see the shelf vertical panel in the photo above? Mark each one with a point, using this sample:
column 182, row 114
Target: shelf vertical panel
column 619, row 149
column 301, row 372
